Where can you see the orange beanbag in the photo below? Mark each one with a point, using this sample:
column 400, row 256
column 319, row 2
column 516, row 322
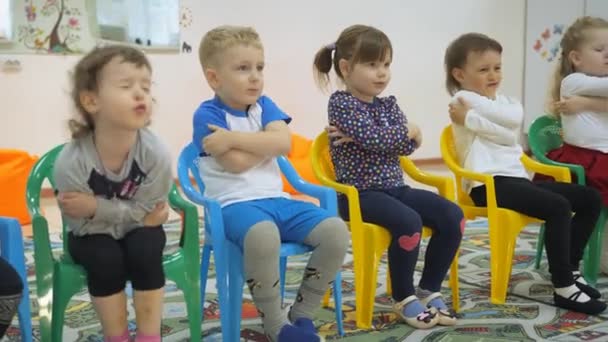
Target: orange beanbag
column 15, row 167
column 299, row 156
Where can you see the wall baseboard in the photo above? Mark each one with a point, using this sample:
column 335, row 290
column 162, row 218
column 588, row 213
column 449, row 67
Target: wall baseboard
column 48, row 192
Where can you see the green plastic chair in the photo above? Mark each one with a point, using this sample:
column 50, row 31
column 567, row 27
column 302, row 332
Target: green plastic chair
column 545, row 135
column 59, row 278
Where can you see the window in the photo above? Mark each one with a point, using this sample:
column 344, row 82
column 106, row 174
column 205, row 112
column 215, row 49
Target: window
column 5, row 20
column 145, row 22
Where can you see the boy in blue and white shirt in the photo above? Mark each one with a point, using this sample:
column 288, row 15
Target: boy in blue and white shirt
column 239, row 134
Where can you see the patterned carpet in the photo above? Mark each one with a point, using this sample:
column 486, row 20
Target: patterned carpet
column 527, row 316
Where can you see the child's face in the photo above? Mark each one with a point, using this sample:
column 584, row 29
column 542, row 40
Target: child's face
column 367, row 80
column 239, row 78
column 123, row 97
column 481, row 73
column 592, row 56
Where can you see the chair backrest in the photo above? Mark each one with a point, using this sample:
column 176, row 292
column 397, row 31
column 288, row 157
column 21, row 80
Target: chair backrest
column 322, row 164
column 544, row 135
column 43, row 170
column 450, row 157
column 187, row 168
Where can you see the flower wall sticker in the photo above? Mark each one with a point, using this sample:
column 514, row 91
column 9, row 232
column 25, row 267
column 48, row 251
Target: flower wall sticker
column 52, row 26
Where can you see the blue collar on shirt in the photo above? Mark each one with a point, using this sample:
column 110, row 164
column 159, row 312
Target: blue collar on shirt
column 218, row 102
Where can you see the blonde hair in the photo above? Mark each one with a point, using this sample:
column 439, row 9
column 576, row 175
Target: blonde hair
column 356, row 44
column 573, row 38
column 224, row 37
column 85, row 77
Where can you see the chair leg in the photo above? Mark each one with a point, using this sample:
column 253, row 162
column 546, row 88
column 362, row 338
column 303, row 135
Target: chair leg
column 501, row 259
column 235, row 289
column 282, row 271
column 338, row 302
column 205, row 260
column 366, row 275
column 193, row 307
column 60, row 303
column 540, row 245
column 592, row 257
column 454, row 285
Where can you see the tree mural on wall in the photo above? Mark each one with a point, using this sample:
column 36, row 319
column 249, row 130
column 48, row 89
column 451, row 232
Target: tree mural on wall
column 55, row 30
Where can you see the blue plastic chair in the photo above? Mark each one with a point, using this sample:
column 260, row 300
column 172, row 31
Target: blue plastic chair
column 228, row 255
column 11, row 249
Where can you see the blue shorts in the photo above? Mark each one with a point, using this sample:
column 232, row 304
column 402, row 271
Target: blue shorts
column 295, row 219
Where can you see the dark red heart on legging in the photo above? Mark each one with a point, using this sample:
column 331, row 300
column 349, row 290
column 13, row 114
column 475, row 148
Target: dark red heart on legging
column 408, row 243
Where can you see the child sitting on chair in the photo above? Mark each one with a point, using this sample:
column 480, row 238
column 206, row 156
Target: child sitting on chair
column 368, row 135
column 580, row 97
column 113, row 181
column 239, row 133
column 486, row 131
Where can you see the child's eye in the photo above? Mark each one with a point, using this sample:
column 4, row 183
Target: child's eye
column 243, row 68
column 387, row 64
column 498, row 68
column 483, row 69
column 260, row 68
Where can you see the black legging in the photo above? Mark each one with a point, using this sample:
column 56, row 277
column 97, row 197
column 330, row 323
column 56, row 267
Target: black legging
column 110, row 263
column 403, row 211
column 553, row 202
column 11, row 289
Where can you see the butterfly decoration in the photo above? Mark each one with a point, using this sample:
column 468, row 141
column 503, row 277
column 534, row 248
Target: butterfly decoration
column 538, row 45
column 558, row 29
column 546, row 35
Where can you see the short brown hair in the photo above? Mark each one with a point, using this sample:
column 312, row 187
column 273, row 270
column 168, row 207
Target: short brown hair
column 356, row 44
column 221, row 38
column 85, row 77
column 457, row 52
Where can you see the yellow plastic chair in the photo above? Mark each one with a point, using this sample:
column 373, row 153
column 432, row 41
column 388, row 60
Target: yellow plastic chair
column 503, row 225
column 370, row 241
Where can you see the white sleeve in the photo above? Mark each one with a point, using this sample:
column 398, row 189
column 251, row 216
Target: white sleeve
column 489, row 130
column 584, row 85
column 508, row 115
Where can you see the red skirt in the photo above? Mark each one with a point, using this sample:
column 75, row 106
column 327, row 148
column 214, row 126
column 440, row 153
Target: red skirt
column 594, row 162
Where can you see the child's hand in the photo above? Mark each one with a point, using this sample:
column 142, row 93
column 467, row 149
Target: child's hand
column 334, row 132
column 158, row 216
column 414, row 133
column 571, row 105
column 218, row 142
column 458, row 111
column 77, row 204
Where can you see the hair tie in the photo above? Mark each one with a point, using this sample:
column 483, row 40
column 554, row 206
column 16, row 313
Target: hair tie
column 331, row 46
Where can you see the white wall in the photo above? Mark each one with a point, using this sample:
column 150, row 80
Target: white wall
column 34, row 104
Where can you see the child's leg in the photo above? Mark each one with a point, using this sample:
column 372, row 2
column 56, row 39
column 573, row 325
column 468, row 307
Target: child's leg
column 405, row 226
column 11, row 289
column 143, row 255
column 103, row 259
column 586, row 203
column 447, row 221
column 251, row 224
column 330, row 239
column 523, row 196
column 261, row 250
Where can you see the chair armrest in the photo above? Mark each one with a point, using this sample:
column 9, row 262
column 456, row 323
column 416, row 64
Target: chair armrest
column 561, row 174
column 444, row 185
column 578, row 170
column 190, row 233
column 325, row 195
